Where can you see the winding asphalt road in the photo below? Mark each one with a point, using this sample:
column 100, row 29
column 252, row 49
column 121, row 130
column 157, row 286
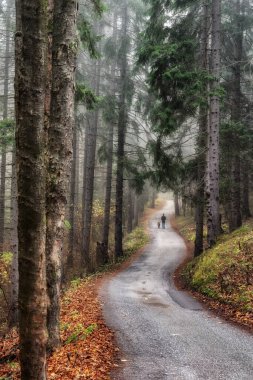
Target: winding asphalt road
column 163, row 333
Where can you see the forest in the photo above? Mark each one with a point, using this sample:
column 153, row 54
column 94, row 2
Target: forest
column 112, row 113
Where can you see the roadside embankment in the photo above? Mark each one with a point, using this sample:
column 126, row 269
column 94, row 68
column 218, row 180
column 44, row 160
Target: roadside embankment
column 222, row 277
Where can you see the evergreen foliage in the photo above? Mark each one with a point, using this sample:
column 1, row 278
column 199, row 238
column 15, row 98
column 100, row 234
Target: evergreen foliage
column 7, row 132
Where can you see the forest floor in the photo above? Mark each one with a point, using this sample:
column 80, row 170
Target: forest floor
column 88, row 349
column 222, row 278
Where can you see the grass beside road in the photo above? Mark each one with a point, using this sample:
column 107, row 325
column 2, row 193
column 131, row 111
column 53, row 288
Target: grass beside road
column 223, row 275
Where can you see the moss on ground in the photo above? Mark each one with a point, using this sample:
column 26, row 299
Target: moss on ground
column 225, row 272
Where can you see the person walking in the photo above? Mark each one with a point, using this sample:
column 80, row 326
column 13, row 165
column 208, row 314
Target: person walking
column 163, row 219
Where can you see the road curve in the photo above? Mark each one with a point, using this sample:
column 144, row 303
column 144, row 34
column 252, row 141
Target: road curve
column 163, row 333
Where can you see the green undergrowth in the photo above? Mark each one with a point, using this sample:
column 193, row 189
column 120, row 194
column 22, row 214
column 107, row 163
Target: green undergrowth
column 137, row 239
column 134, row 241
column 225, row 272
column 186, row 227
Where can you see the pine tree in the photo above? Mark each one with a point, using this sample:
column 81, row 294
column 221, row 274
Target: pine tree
column 122, row 124
column 202, row 143
column 60, row 138
column 212, row 175
column 110, row 119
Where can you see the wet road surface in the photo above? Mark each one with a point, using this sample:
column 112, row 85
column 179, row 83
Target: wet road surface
column 163, row 333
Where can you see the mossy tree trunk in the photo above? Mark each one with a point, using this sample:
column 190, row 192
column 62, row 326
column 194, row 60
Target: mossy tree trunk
column 60, row 140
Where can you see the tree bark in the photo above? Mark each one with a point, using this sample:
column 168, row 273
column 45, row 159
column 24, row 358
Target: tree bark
column 202, row 141
column 108, row 189
column 235, row 219
column 153, row 199
column 136, row 210
column 90, row 159
column 245, row 190
column 31, row 179
column 122, row 123
column 73, row 196
column 60, row 139
column 212, row 178
column 108, row 192
column 13, row 310
column 5, row 116
column 176, row 202
column 130, row 210
column 13, row 316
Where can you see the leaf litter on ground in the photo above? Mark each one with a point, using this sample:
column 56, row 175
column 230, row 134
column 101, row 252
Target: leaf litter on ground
column 88, row 350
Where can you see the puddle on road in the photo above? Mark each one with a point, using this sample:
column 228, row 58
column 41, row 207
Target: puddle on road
column 143, row 292
column 156, row 303
column 152, row 301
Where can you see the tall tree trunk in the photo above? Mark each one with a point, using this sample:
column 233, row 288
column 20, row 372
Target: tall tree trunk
column 130, row 210
column 122, row 123
column 176, row 202
column 202, row 142
column 14, row 276
column 136, row 210
column 108, row 188
column 5, row 116
column 13, row 310
column 60, row 138
column 200, row 194
column 245, row 190
column 108, row 192
column 31, row 180
column 235, row 219
column 73, row 196
column 153, row 199
column 212, row 178
column 88, row 190
column 2, row 190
